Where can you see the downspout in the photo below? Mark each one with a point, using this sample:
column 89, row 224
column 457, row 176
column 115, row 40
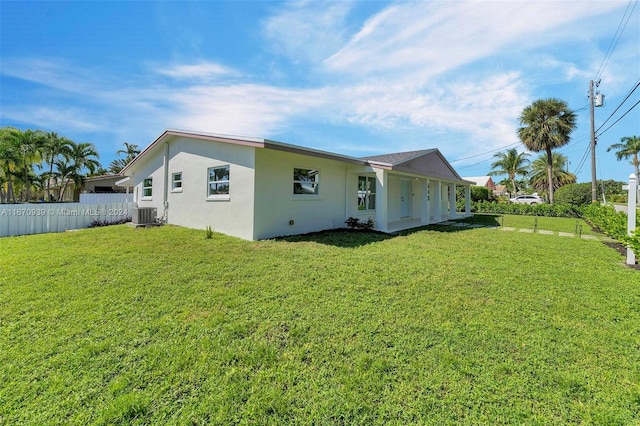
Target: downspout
column 165, row 197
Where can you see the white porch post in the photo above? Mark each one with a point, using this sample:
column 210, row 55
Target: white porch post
column 382, row 204
column 452, row 201
column 444, row 205
column 424, row 211
column 631, row 214
column 467, row 200
column 436, row 196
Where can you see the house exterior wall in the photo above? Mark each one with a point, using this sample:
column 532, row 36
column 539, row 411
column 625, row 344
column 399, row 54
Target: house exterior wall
column 276, row 205
column 190, row 205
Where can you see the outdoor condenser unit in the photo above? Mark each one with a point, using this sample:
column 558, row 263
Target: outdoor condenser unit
column 144, row 215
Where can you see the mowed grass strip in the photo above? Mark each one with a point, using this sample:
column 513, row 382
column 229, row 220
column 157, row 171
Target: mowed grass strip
column 160, row 326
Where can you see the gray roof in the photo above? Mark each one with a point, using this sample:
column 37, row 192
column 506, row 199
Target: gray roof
column 397, row 157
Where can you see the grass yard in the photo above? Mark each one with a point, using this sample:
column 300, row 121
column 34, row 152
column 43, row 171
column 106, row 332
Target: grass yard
column 555, row 224
column 160, row 326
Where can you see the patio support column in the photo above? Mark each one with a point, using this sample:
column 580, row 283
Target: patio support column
column 467, row 200
column 436, row 196
column 452, row 201
column 382, row 204
column 444, row 201
column 424, row 210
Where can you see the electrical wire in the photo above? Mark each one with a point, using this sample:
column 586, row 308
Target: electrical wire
column 637, row 84
column 616, row 38
column 582, row 161
column 484, row 153
column 621, row 117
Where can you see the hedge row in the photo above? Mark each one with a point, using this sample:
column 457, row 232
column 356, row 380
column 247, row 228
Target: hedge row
column 549, row 210
column 613, row 223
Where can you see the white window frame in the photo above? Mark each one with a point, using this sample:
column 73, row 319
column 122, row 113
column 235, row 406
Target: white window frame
column 316, row 183
column 367, row 193
column 213, row 197
column 146, row 187
column 176, row 184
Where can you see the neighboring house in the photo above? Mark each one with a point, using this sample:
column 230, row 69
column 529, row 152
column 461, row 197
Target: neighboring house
column 500, row 190
column 485, row 181
column 256, row 188
column 104, row 184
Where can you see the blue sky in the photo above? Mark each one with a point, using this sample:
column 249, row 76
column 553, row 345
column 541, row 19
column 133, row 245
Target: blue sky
column 352, row 77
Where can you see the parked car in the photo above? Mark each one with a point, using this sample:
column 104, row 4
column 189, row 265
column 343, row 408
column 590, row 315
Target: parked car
column 527, row 199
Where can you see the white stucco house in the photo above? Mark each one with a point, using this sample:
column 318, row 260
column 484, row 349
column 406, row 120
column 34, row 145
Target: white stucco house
column 256, row 188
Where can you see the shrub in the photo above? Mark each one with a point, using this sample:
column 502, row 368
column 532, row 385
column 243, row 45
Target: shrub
column 97, row 223
column 613, row 223
column 354, row 223
column 549, row 210
column 575, row 194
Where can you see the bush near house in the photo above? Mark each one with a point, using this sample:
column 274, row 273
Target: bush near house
column 613, row 223
column 578, row 194
column 478, row 193
column 575, row 194
column 549, row 210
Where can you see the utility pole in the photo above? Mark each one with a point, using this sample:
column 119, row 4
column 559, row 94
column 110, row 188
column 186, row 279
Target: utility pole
column 594, row 197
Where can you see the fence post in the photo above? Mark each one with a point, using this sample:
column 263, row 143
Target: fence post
column 631, row 215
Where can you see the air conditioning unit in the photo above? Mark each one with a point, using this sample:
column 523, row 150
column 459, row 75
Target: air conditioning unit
column 144, row 215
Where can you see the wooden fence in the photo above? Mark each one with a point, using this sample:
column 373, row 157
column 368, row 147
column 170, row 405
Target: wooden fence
column 24, row 219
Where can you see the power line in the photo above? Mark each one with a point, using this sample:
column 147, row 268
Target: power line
column 637, row 84
column 621, row 117
column 582, row 160
column 484, row 153
column 616, row 38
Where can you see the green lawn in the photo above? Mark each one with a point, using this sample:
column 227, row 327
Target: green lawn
column 161, row 326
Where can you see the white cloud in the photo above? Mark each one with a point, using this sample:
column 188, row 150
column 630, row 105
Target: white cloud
column 307, row 30
column 257, row 110
column 441, row 36
column 200, row 71
column 74, row 119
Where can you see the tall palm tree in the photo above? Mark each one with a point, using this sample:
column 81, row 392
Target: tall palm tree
column 83, row 159
column 30, row 143
column 130, row 151
column 546, row 124
column 539, row 178
column 512, row 164
column 54, row 147
column 9, row 159
column 629, row 147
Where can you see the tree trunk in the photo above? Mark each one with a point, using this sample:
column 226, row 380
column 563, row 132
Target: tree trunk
column 515, row 190
column 550, row 174
column 10, row 192
column 49, row 180
column 64, row 188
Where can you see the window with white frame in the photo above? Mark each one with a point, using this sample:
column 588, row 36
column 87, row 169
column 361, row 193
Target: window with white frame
column 176, row 182
column 218, row 182
column 366, row 193
column 147, row 188
column 306, row 181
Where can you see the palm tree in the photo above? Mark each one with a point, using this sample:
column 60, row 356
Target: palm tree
column 83, row 159
column 130, row 151
column 54, row 147
column 546, row 124
column 9, row 159
column 629, row 146
column 510, row 163
column 539, row 177
column 29, row 144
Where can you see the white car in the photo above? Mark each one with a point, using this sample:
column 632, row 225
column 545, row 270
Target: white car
column 527, row 199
